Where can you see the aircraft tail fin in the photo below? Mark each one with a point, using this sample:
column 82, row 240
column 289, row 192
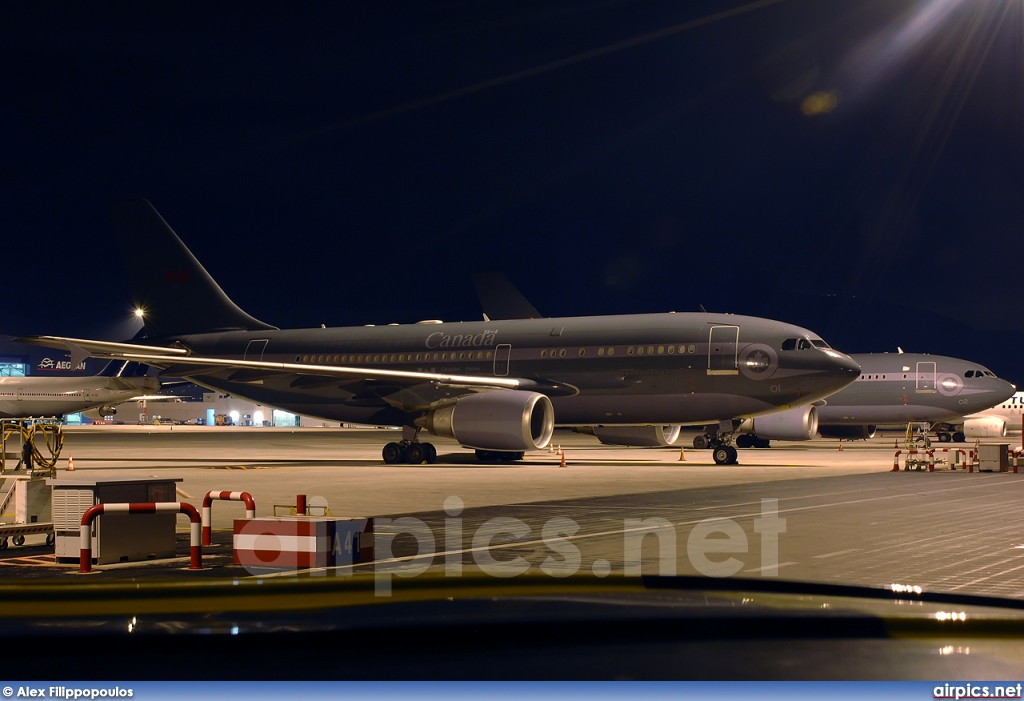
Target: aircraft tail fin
column 501, row 299
column 172, row 288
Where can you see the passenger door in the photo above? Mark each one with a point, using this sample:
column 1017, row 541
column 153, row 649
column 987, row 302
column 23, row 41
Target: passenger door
column 723, row 345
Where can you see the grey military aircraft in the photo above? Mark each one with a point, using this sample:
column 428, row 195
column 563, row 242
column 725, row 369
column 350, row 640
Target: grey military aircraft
column 498, row 386
column 892, row 389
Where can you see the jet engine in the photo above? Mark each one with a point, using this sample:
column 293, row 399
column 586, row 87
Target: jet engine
column 853, row 433
column 797, row 424
column 100, row 412
column 502, row 420
column 646, row 436
column 985, row 427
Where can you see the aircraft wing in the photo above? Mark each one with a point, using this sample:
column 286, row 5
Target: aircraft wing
column 178, row 362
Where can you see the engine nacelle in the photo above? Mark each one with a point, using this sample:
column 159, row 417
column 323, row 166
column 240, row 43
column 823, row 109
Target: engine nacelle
column 502, row 420
column 985, row 427
column 853, row 433
column 100, row 412
column 645, row 436
column 797, row 424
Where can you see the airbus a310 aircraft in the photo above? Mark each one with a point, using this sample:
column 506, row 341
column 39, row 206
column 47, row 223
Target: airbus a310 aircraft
column 893, row 388
column 56, row 396
column 497, row 386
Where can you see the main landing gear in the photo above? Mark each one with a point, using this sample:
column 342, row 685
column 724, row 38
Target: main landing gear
column 720, row 441
column 725, row 454
column 411, row 452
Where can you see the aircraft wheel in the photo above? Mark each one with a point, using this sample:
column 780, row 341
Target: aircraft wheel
column 393, row 454
column 959, row 437
column 722, row 455
column 415, row 454
column 429, row 453
column 18, row 540
column 943, row 437
column 745, row 441
column 485, row 455
column 700, row 442
column 3, row 543
column 762, row 443
column 51, row 538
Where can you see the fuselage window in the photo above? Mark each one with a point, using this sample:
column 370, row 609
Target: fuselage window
column 583, row 352
column 611, row 351
column 650, row 350
column 561, row 353
column 640, row 350
column 600, row 352
column 629, row 351
column 691, row 349
column 543, row 354
column 671, row 350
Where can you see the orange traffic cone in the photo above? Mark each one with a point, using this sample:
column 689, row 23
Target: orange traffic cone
column 682, row 455
column 840, row 445
column 562, row 453
column 71, row 463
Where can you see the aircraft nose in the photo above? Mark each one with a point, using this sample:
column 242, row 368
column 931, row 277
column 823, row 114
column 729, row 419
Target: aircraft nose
column 844, row 365
column 1004, row 391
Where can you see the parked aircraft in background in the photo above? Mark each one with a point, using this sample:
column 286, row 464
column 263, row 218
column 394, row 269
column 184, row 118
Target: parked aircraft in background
column 34, row 396
column 498, row 386
column 893, row 389
column 996, row 421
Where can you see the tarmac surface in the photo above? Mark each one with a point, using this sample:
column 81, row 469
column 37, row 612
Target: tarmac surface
column 797, row 511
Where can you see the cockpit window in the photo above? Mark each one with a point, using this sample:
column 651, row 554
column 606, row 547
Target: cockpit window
column 819, row 343
column 969, row 374
column 799, row 344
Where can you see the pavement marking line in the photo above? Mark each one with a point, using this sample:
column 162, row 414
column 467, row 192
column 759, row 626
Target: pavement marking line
column 982, row 579
column 837, row 552
column 623, row 531
column 768, row 568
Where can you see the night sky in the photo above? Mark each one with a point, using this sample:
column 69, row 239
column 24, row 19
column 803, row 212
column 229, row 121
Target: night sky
column 853, row 167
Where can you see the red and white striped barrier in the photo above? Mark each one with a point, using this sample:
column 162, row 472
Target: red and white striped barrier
column 195, row 549
column 911, row 459
column 302, row 542
column 250, row 510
